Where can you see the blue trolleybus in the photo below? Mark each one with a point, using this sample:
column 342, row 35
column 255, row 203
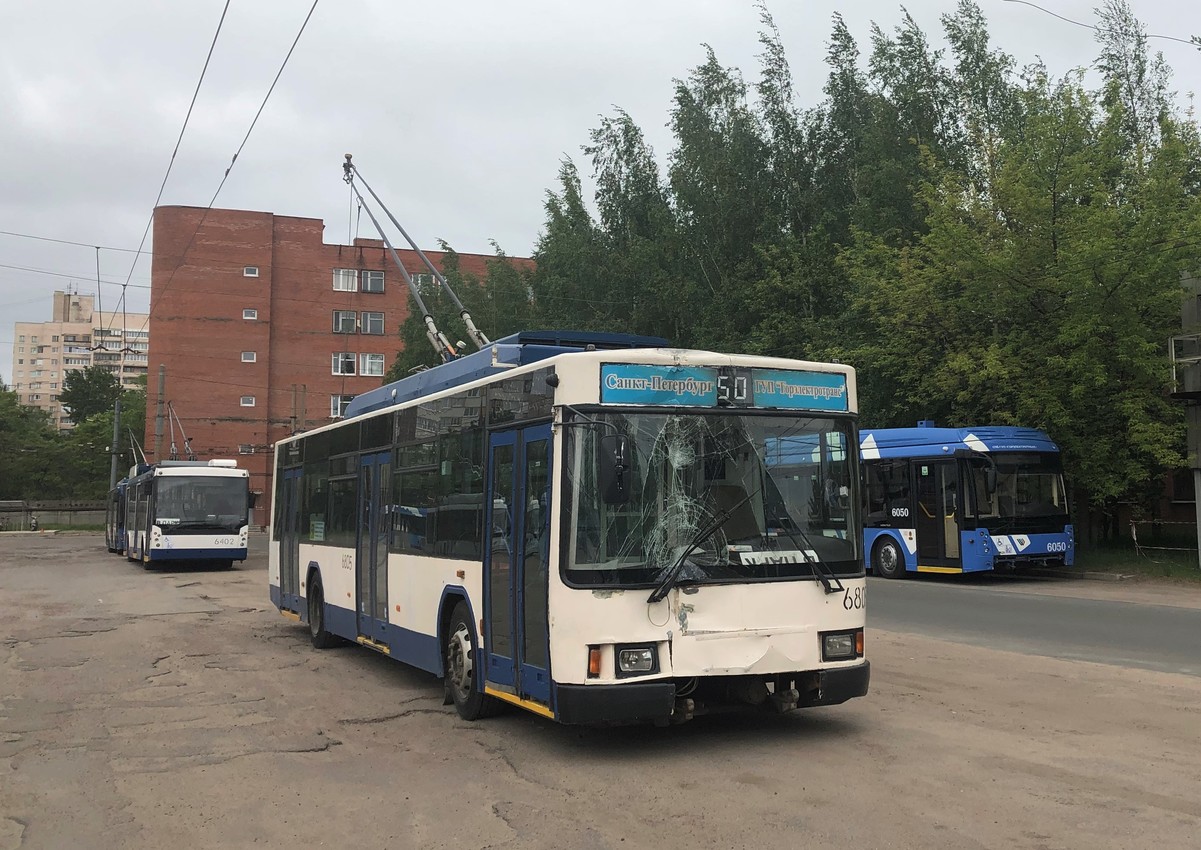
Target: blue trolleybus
column 962, row 500
column 180, row 510
column 594, row 527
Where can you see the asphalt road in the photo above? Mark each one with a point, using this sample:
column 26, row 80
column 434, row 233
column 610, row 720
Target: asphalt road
column 1017, row 615
column 176, row 708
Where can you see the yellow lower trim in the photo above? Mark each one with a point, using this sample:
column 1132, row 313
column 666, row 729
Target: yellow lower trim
column 374, row 644
column 290, row 615
column 529, row 705
column 948, row 570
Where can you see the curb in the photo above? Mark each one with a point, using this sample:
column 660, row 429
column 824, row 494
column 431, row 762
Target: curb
column 1051, row 572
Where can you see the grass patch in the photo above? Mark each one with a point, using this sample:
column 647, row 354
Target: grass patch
column 1154, row 563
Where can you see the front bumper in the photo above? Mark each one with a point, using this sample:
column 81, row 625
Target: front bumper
column 656, row 702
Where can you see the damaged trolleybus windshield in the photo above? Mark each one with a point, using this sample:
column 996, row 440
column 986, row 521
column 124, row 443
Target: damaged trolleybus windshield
column 710, row 497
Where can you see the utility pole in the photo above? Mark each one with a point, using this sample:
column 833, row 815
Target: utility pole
column 112, row 472
column 158, row 411
column 292, row 424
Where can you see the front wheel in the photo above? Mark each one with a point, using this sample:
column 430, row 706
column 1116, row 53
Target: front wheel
column 461, row 653
column 321, row 638
column 887, row 560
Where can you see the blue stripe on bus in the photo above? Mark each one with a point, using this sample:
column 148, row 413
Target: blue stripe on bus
column 413, row 648
column 196, row 554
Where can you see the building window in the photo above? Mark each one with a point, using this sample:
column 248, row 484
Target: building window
column 21, row 338
column 344, row 321
column 249, row 356
column 250, row 271
column 250, row 314
column 373, row 323
column 373, row 281
column 245, row 449
column 343, row 363
column 54, row 338
column 247, row 401
column 338, row 404
column 346, row 280
column 371, row 364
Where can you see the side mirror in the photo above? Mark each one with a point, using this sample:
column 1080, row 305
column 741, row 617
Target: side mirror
column 254, row 497
column 990, row 480
column 612, row 469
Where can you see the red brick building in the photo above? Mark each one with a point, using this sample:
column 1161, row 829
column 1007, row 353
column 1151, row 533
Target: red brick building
column 264, row 329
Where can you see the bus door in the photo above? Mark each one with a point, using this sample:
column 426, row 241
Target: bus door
column 517, row 517
column 936, row 518
column 371, row 558
column 289, row 539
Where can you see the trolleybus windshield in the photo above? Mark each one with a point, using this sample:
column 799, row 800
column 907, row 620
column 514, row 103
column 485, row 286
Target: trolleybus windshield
column 788, row 484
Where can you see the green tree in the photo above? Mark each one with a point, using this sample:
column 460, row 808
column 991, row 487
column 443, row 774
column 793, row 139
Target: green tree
column 499, row 305
column 30, row 458
column 89, row 391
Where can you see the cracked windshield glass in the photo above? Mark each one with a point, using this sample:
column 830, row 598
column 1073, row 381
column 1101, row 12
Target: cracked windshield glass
column 738, row 496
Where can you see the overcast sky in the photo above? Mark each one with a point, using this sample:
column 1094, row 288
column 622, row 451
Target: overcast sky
column 458, row 113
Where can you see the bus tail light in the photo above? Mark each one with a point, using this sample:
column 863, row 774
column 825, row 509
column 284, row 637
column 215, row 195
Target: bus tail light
column 594, row 659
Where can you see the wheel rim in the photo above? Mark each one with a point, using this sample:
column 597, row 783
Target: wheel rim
column 887, row 558
column 458, row 662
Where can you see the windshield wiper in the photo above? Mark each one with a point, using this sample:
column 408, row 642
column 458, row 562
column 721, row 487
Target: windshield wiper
column 702, row 534
column 821, row 570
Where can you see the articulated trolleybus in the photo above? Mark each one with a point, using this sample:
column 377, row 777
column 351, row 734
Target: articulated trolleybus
column 961, row 500
column 181, row 510
column 594, row 527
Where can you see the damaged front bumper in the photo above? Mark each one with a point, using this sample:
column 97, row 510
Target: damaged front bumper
column 677, row 700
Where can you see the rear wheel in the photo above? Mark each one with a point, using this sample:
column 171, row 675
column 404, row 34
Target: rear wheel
column 887, row 560
column 461, row 654
column 322, row 639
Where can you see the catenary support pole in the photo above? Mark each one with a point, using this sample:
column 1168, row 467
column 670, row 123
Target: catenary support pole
column 115, row 450
column 159, row 407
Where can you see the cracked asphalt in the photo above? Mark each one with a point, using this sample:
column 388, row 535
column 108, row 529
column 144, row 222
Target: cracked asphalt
column 177, row 709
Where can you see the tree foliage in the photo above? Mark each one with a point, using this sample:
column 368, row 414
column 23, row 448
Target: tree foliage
column 89, row 391
column 38, row 463
column 986, row 244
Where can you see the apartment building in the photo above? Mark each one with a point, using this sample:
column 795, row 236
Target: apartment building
column 77, row 336
column 262, row 329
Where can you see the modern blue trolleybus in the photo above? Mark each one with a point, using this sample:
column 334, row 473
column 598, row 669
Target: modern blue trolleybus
column 178, row 510
column 962, row 500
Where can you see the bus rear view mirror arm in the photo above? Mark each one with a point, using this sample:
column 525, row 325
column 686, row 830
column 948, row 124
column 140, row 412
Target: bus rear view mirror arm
column 613, row 464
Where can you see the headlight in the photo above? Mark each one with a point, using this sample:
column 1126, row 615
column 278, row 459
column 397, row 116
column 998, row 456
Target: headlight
column 842, row 645
column 638, row 660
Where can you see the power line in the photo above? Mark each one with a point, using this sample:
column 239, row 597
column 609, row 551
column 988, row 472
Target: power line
column 178, row 142
column 70, row 242
column 234, row 160
column 1095, row 28
column 84, row 276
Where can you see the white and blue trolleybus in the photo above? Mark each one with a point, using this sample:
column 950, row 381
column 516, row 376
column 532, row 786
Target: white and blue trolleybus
column 962, row 500
column 595, row 527
column 181, row 511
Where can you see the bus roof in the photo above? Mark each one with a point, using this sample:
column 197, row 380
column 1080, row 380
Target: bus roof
column 518, row 349
column 928, row 441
